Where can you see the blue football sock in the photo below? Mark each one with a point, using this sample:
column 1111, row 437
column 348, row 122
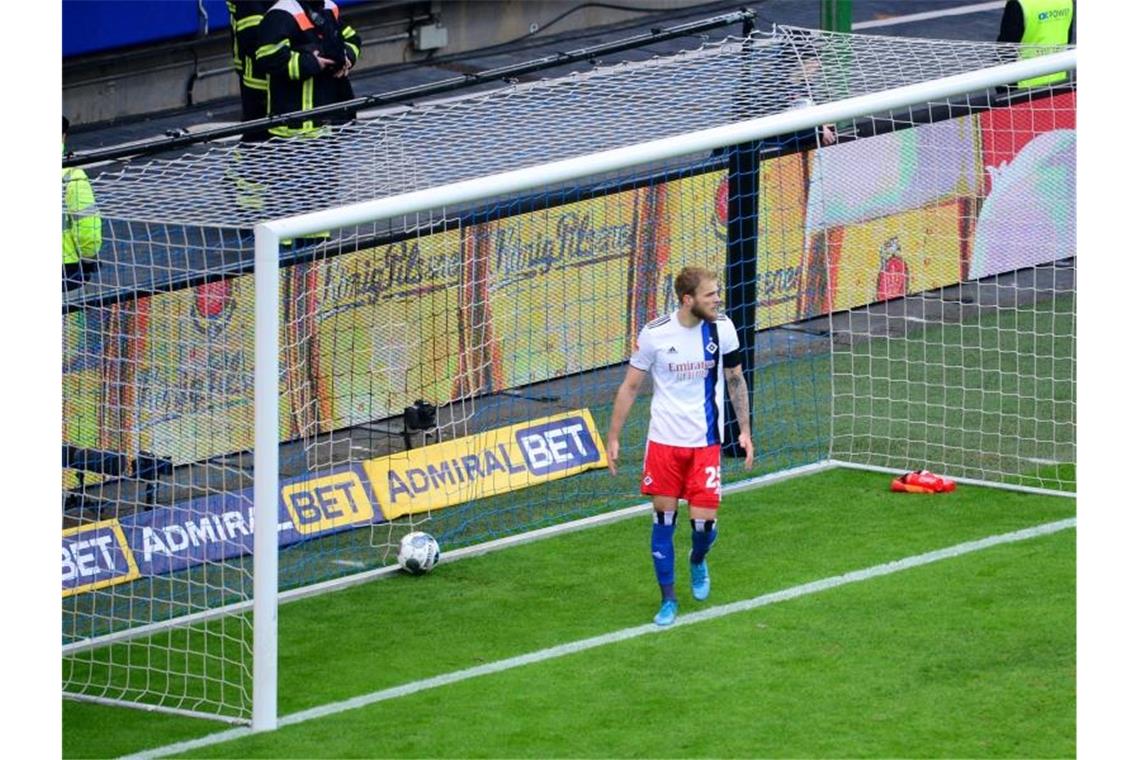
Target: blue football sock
column 704, row 535
column 661, row 545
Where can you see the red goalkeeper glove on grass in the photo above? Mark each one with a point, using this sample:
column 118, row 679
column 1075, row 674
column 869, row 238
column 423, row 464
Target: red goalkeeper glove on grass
column 922, row 481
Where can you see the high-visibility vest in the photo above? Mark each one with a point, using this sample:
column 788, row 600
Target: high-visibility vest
column 1047, row 25
column 82, row 225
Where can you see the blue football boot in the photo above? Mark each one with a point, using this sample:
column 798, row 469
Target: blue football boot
column 667, row 614
column 699, row 573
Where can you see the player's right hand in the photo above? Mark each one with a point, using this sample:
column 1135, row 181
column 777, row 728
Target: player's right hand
column 612, row 449
column 745, row 440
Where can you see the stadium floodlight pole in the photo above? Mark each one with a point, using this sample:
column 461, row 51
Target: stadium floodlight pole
column 268, row 236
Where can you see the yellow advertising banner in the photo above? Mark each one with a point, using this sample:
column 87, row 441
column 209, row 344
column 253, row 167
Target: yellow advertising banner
column 695, row 221
column 324, row 503
column 374, row 330
column 479, row 308
column 892, row 256
column 455, row 313
column 556, row 288
column 486, row 464
column 195, row 373
column 780, row 240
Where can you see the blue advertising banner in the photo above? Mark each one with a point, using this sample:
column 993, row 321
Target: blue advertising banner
column 95, row 556
column 210, row 529
column 220, row 526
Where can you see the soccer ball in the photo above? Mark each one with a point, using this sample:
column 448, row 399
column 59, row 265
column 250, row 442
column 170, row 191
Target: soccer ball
column 419, row 552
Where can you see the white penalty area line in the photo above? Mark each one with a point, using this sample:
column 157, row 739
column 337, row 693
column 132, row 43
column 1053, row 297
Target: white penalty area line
column 583, row 645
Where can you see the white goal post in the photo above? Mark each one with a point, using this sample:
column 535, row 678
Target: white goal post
column 261, row 331
column 270, row 234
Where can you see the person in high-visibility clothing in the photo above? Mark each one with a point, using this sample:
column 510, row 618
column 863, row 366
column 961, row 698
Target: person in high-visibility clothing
column 82, row 225
column 1042, row 23
column 245, row 18
column 306, row 50
column 245, row 21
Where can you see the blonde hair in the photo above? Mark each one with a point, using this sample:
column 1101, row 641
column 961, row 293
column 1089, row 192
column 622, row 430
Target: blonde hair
column 689, row 279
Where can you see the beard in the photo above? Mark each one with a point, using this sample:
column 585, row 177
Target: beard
column 708, row 315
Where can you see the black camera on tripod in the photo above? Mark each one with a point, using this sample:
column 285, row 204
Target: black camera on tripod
column 418, row 416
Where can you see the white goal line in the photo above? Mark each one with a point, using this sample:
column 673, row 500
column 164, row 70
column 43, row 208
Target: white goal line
column 336, row 584
column 367, row 576
column 582, row 645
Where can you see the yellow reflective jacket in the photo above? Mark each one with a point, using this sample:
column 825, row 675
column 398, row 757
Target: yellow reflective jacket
column 82, row 225
column 1046, row 25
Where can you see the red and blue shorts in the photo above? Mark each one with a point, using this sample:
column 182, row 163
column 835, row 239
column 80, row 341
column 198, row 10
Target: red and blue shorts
column 683, row 472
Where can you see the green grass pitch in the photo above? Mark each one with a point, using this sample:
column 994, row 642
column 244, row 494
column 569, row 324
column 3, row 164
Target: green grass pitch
column 971, row 656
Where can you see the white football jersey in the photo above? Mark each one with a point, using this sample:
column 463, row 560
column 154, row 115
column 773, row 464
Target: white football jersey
column 688, row 378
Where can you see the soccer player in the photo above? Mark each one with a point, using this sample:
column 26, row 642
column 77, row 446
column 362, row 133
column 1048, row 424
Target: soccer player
column 692, row 354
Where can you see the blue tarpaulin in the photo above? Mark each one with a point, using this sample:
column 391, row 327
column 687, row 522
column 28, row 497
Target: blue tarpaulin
column 96, row 26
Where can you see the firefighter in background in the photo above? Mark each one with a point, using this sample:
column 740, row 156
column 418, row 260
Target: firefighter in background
column 245, row 18
column 306, row 50
column 82, row 225
column 245, row 21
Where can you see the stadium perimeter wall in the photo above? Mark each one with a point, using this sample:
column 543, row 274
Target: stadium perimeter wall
column 125, row 59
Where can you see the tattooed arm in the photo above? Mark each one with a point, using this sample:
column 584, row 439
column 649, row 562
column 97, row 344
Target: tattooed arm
column 738, row 395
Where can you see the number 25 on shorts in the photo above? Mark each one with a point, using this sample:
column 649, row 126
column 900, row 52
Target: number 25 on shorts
column 713, row 481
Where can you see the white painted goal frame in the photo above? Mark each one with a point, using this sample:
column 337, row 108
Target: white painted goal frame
column 268, row 248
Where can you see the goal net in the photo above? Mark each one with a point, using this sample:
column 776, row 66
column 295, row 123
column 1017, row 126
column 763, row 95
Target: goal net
column 434, row 312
